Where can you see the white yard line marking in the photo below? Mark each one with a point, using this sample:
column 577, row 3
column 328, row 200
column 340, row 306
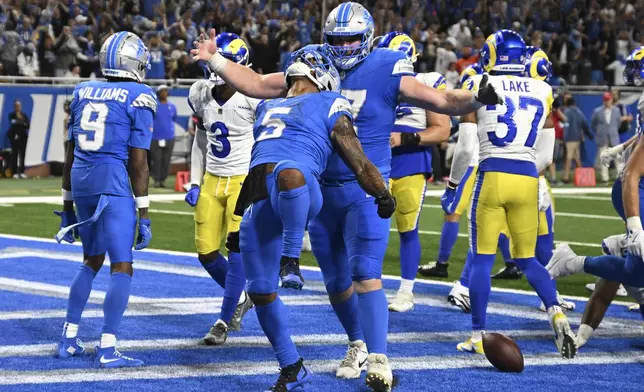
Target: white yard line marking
column 246, row 368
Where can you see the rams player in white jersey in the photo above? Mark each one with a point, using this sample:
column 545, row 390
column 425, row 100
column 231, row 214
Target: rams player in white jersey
column 228, row 118
column 506, row 188
column 411, row 165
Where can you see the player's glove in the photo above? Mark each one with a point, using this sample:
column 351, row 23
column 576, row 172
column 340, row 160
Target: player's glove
column 634, row 236
column 145, row 234
column 449, row 200
column 192, row 197
column 408, row 139
column 544, row 196
column 486, row 94
column 386, row 205
column 610, row 154
column 68, row 218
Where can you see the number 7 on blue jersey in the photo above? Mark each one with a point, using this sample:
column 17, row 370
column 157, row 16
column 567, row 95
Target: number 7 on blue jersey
column 507, row 118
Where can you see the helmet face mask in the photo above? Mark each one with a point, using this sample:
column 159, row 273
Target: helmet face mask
column 348, row 22
column 310, row 62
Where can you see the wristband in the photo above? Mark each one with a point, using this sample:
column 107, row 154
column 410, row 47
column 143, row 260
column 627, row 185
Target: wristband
column 142, row 202
column 217, row 63
column 451, row 184
column 67, row 195
column 634, row 223
column 618, row 149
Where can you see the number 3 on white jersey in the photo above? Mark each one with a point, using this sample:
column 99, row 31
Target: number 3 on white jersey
column 275, row 125
column 357, row 99
column 91, row 134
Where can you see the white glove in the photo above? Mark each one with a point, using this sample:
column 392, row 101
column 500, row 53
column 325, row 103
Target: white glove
column 607, row 156
column 544, row 196
column 635, row 236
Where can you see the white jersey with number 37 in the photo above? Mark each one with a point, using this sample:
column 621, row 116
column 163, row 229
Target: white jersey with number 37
column 229, row 128
column 510, row 131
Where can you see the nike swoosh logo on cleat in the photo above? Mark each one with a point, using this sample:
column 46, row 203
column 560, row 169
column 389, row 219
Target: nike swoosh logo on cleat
column 361, row 364
column 105, row 361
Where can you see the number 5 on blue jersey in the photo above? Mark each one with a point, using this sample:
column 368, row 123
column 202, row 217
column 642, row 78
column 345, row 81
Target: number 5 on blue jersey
column 507, row 118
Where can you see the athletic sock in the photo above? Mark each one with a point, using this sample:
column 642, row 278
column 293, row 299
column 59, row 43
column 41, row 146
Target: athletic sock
column 409, row 254
column 116, row 299
column 218, row 270
column 449, row 234
column 348, row 314
column 274, row 321
column 480, row 286
column 544, row 248
column 467, row 269
column 374, row 319
column 539, row 279
column 235, row 283
column 406, row 286
column 79, row 294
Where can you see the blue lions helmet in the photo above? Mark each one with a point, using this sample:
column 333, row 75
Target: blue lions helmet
column 468, row 72
column 397, row 40
column 124, row 55
column 537, row 64
column 504, row 51
column 348, row 22
column 231, row 47
column 634, row 71
column 312, row 63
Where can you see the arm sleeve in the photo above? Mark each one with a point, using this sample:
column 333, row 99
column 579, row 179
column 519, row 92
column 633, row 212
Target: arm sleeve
column 401, row 66
column 198, row 157
column 467, row 139
column 142, row 111
column 339, row 107
column 545, row 148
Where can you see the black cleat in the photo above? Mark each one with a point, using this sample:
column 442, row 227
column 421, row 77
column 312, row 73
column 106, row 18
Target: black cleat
column 290, row 273
column 508, row 272
column 434, row 269
column 217, row 334
column 291, row 377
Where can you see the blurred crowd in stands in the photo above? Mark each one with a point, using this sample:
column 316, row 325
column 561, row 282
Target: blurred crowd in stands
column 587, row 41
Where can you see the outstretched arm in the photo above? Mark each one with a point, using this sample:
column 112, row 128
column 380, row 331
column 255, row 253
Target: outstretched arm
column 241, row 78
column 452, row 102
column 348, row 146
column 139, row 177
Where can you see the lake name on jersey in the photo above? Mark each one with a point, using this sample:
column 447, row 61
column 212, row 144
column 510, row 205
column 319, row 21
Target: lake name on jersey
column 520, row 86
column 103, row 94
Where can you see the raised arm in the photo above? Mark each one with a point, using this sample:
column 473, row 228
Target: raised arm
column 451, row 102
column 347, row 145
column 241, row 78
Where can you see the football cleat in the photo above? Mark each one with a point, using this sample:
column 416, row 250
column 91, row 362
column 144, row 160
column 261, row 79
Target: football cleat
column 291, row 377
column 460, row 297
column 69, row 347
column 566, row 306
column 634, row 308
column 379, row 377
column 565, row 339
column 240, row 312
column 565, row 262
column 469, row 346
column 290, row 273
column 306, row 243
column 110, row 357
column 354, row 362
column 402, row 302
column 217, row 334
column 621, row 291
column 615, row 245
column 508, row 272
column 434, row 269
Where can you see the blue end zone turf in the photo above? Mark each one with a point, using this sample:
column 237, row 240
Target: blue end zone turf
column 175, row 302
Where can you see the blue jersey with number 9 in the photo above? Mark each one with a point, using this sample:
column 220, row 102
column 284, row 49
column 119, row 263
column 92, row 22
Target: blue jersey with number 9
column 298, row 129
column 106, row 119
column 372, row 87
column 508, row 133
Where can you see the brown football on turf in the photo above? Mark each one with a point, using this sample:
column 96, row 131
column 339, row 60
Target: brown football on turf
column 503, row 353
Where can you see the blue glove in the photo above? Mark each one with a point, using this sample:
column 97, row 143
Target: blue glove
column 193, row 195
column 68, row 218
column 145, row 234
column 449, row 200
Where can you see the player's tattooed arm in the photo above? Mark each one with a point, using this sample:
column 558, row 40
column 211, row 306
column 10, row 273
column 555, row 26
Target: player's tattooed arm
column 68, row 205
column 348, row 146
column 450, row 102
column 139, row 175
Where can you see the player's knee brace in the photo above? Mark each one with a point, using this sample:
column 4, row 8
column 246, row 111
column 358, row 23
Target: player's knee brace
column 364, row 268
column 338, row 284
column 232, row 242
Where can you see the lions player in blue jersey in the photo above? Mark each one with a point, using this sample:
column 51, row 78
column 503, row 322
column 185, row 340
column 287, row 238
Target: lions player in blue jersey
column 294, row 139
column 110, row 130
column 349, row 240
column 411, row 164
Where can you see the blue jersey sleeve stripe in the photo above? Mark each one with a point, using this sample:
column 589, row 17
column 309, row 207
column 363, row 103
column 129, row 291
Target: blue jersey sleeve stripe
column 440, row 81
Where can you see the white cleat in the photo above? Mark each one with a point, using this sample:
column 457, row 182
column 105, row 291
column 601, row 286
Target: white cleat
column 621, row 291
column 566, row 306
column 615, row 245
column 565, row 262
column 379, row 377
column 460, row 297
column 354, row 362
column 402, row 302
column 565, row 339
column 306, row 243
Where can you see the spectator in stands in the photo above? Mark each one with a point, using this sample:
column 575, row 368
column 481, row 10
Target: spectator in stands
column 162, row 137
column 605, row 123
column 88, row 55
column 73, row 72
column 10, row 46
column 18, row 133
column 158, row 51
column 445, row 56
column 47, row 56
column 574, row 132
column 28, row 61
column 559, row 119
column 66, row 49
